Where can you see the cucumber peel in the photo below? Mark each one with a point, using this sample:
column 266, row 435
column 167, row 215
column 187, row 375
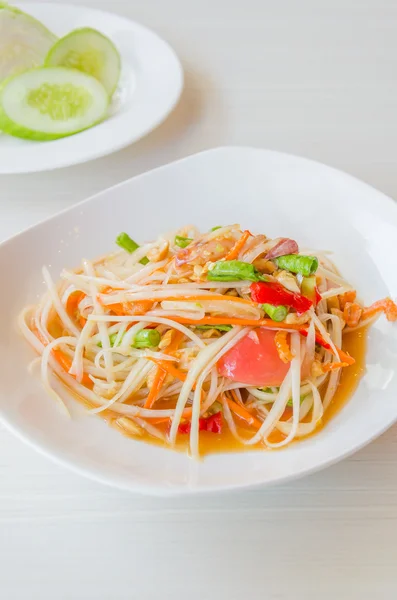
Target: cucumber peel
column 89, row 51
column 48, row 103
column 24, row 41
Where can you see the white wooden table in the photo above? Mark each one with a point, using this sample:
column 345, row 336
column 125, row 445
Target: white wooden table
column 313, row 77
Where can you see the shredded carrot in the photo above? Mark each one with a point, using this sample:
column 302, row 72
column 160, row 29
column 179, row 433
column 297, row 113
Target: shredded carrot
column 64, row 360
column 159, row 420
column 175, row 372
column 349, row 296
column 211, row 297
column 238, row 246
column 145, row 305
column 243, row 413
column 344, row 357
column 158, row 383
column 73, row 301
column 72, row 305
column 282, row 345
column 235, row 397
column 129, row 308
column 170, row 368
column 386, row 305
column 332, row 366
column 352, row 313
column 187, row 413
column 260, row 323
column 140, row 307
column 235, row 321
column 161, row 374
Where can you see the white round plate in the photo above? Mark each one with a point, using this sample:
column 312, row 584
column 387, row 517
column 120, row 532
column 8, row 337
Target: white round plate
column 273, row 193
column 150, row 85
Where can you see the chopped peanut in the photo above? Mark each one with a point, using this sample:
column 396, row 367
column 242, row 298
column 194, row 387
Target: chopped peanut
column 288, row 281
column 166, row 339
column 159, row 252
column 295, row 319
column 264, row 266
column 317, row 369
column 106, row 393
column 208, row 333
column 129, row 426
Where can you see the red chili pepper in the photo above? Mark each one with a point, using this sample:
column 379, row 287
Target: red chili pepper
column 184, row 427
column 319, row 338
column 213, row 424
column 318, row 296
column 274, row 293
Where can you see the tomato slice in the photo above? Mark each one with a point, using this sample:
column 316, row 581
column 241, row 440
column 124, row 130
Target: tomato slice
column 254, row 360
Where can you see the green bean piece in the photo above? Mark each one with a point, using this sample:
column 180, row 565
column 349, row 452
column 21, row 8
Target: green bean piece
column 296, row 263
column 181, row 241
column 112, row 339
column 308, row 287
column 276, row 313
column 234, row 270
column 147, row 338
column 218, row 327
column 269, row 390
column 129, row 245
column 215, row 408
column 289, row 403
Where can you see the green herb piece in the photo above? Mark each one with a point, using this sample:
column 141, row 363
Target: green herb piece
column 276, row 313
column 234, row 270
column 305, row 265
column 218, row 327
column 182, row 242
column 126, row 243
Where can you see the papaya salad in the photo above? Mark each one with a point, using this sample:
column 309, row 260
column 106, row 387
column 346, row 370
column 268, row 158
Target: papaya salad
column 197, row 335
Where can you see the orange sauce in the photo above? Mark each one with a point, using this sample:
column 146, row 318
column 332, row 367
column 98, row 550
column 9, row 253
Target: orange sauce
column 354, row 343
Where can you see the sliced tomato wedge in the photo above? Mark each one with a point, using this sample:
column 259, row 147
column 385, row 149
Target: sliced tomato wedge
column 254, row 360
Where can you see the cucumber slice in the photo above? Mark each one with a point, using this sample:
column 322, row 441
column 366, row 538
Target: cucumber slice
column 24, row 42
column 51, row 102
column 89, row 51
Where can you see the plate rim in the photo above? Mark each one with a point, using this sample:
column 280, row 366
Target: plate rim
column 213, row 150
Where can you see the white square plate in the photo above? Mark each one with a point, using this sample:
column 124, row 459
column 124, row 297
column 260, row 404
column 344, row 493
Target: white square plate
column 266, row 191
